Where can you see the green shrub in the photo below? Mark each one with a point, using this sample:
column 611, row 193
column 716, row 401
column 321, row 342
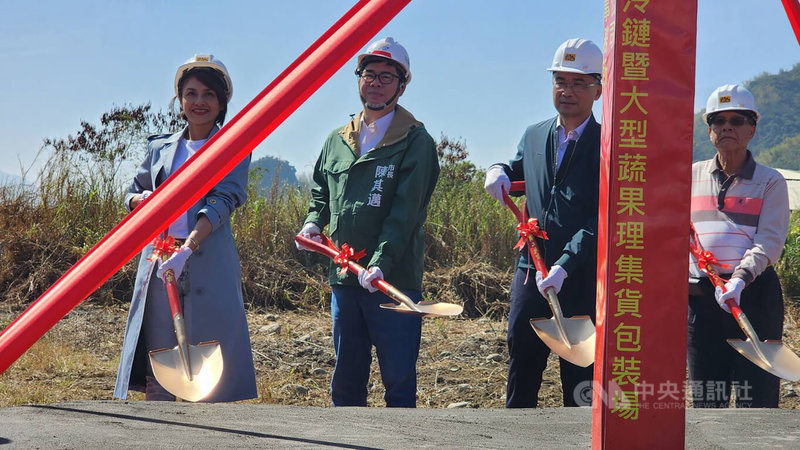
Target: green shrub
column 788, row 266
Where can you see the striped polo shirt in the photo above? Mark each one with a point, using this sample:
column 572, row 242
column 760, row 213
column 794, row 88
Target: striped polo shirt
column 743, row 219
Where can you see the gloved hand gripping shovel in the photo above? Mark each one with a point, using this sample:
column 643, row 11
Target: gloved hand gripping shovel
column 770, row 355
column 571, row 338
column 187, row 371
column 346, row 258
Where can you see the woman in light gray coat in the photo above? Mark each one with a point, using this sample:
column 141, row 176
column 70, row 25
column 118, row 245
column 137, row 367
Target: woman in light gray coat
column 206, row 265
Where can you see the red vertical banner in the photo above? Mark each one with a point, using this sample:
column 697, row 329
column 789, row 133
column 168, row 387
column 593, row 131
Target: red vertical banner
column 646, row 154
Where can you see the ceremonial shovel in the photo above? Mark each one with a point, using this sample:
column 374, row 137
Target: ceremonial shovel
column 404, row 304
column 570, row 338
column 187, row 371
column 770, row 355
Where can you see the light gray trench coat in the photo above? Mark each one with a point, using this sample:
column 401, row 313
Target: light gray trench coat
column 210, row 285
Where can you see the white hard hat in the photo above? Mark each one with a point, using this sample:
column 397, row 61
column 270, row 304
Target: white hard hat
column 204, row 61
column 730, row 97
column 578, row 56
column 389, row 49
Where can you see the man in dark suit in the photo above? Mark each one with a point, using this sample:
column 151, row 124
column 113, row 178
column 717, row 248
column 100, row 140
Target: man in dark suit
column 559, row 160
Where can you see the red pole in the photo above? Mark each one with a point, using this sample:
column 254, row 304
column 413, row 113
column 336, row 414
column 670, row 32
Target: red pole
column 792, row 8
column 201, row 172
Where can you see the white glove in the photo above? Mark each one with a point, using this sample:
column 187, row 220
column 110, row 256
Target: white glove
column 142, row 196
column 555, row 278
column 311, row 231
column 496, row 181
column 175, row 262
column 733, row 290
column 366, row 276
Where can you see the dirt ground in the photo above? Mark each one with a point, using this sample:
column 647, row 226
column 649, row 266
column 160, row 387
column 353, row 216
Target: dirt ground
column 462, row 362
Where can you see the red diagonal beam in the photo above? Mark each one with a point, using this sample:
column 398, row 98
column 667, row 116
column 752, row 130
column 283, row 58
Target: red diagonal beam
column 201, row 172
column 792, row 8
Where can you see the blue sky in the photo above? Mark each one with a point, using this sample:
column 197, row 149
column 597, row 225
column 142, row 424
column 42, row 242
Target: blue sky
column 478, row 66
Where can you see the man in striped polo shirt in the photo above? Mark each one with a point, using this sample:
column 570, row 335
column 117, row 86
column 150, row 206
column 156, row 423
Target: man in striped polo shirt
column 740, row 209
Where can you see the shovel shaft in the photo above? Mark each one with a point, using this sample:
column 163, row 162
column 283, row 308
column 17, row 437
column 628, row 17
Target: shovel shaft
column 517, row 186
column 558, row 316
column 395, row 294
column 735, row 309
column 183, row 344
column 738, row 314
column 177, row 320
column 172, row 293
column 513, row 207
column 747, row 328
column 538, row 261
column 354, row 268
column 384, row 286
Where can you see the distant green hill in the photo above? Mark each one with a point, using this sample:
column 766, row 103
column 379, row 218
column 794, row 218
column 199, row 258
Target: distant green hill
column 269, row 167
column 777, row 140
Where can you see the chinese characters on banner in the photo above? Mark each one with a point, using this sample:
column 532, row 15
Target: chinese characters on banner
column 648, row 76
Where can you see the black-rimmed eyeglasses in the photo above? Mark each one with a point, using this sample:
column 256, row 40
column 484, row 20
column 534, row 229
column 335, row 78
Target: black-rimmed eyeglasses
column 383, row 77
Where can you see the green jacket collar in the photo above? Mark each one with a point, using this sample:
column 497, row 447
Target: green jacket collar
column 401, row 125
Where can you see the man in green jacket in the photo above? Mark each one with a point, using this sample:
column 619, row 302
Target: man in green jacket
column 372, row 185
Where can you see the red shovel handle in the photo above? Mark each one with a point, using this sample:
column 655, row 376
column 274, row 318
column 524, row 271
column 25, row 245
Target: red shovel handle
column 330, row 250
column 172, row 292
column 720, row 282
column 735, row 310
column 538, row 261
column 317, row 246
column 352, row 266
column 513, row 207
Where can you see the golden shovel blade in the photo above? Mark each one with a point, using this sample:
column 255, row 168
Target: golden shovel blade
column 581, row 334
column 206, row 369
column 427, row 308
column 780, row 361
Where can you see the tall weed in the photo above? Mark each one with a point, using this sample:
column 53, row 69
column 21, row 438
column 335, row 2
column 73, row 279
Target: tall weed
column 788, row 266
column 469, row 238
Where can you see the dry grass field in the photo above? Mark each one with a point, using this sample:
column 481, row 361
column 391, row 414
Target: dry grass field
column 462, row 361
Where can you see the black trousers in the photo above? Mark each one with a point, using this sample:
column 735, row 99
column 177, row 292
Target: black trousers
column 715, row 368
column 528, row 354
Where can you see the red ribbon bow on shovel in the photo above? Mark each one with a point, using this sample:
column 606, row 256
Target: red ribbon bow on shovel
column 345, row 255
column 529, row 230
column 705, row 258
column 163, row 248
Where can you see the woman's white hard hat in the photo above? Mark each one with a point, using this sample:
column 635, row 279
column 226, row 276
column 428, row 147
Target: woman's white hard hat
column 205, row 61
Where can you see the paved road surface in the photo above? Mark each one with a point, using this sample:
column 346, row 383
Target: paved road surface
column 141, row 425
